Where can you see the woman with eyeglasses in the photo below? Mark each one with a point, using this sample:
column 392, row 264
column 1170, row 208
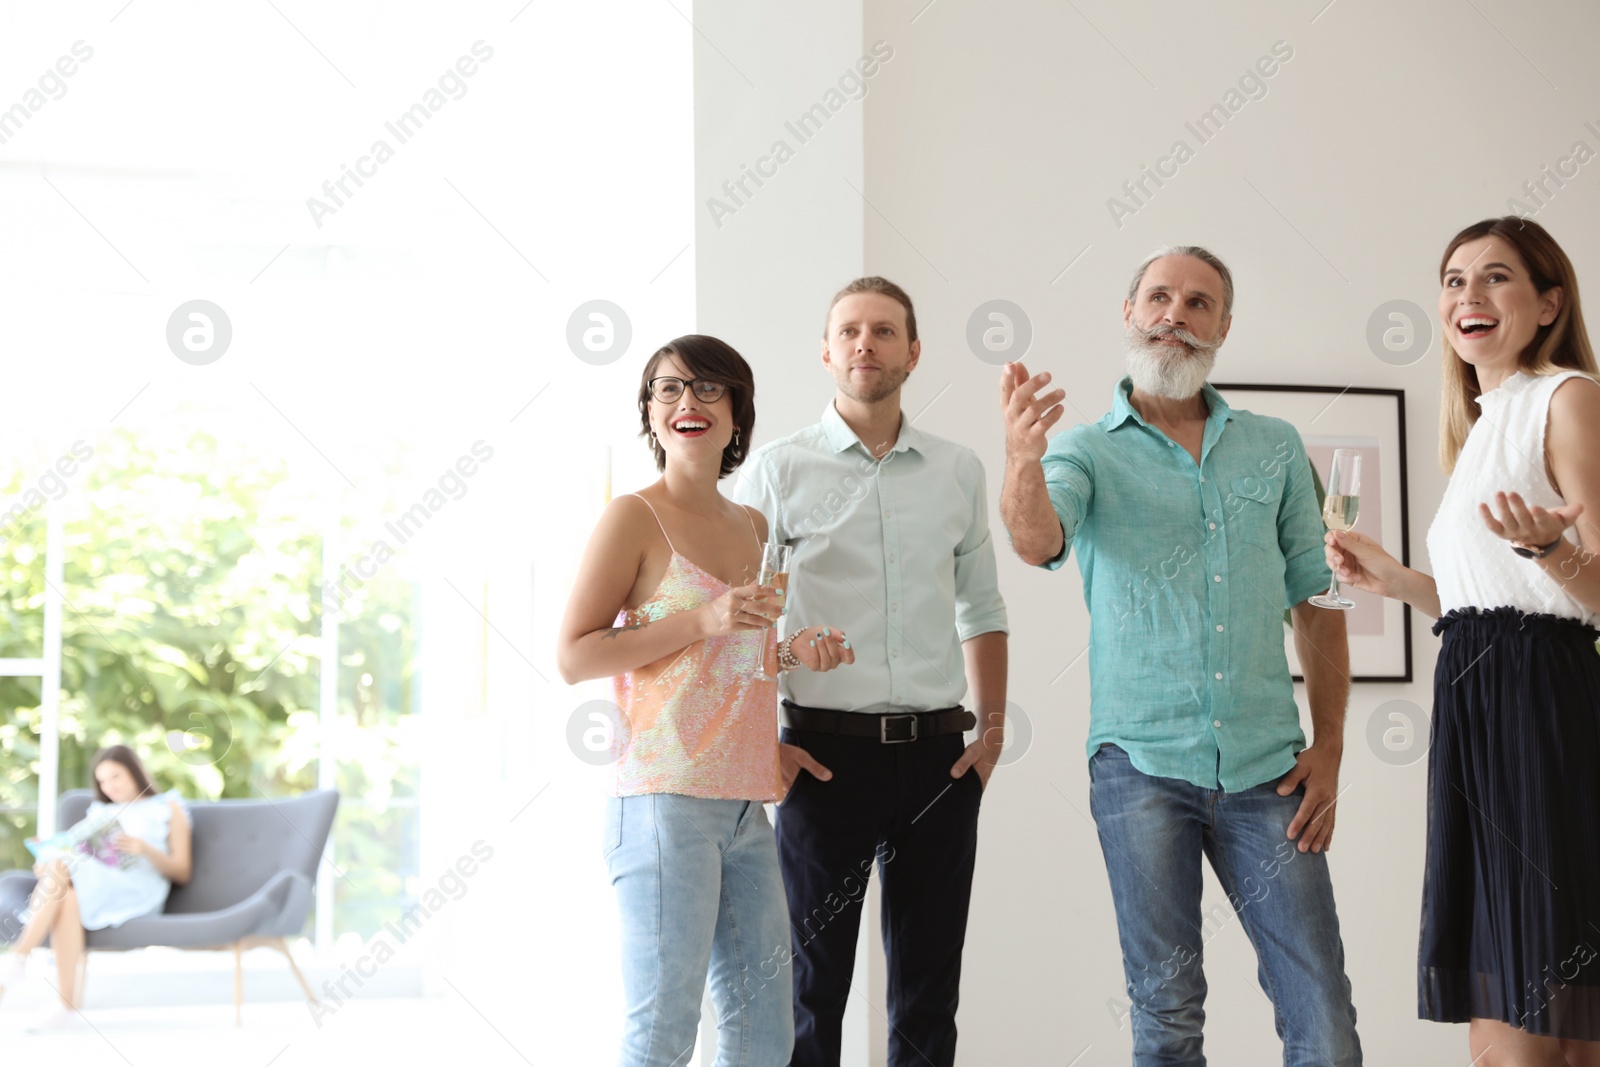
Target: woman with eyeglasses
column 665, row 604
column 1511, row 893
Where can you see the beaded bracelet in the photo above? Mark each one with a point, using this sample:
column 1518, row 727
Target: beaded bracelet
column 786, row 657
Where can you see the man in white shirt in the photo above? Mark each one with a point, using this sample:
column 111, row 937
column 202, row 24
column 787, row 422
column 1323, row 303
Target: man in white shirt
column 890, row 529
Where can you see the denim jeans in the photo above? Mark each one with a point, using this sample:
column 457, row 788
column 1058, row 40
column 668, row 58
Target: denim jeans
column 701, row 895
column 1153, row 831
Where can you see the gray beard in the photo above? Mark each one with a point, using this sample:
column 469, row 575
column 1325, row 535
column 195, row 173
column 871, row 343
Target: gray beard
column 1158, row 370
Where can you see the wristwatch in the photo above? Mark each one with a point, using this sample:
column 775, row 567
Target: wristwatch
column 1536, row 553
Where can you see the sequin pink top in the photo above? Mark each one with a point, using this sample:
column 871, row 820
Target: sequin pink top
column 697, row 722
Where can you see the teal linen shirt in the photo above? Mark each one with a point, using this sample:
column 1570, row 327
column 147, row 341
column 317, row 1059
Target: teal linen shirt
column 1187, row 571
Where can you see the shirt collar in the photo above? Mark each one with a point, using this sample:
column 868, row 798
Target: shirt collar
column 1513, row 385
column 841, row 438
column 1122, row 407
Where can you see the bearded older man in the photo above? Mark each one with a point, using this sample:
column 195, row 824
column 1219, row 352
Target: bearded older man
column 1196, row 525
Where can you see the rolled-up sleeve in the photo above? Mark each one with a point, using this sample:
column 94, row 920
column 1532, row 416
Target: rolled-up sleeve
column 1070, row 482
column 979, row 607
column 1305, row 564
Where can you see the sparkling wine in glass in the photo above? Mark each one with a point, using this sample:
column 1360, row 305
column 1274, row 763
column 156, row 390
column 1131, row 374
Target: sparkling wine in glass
column 774, row 571
column 1339, row 509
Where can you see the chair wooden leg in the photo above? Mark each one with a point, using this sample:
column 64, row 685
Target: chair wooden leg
column 238, row 983
column 283, row 946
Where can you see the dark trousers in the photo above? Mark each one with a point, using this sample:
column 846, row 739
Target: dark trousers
column 897, row 808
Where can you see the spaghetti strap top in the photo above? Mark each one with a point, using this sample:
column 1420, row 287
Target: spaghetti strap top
column 697, row 722
column 663, row 528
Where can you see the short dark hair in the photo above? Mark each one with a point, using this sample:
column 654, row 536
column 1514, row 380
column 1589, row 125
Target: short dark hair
column 875, row 284
column 130, row 762
column 706, row 357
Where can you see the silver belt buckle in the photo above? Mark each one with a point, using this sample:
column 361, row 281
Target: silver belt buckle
column 883, row 729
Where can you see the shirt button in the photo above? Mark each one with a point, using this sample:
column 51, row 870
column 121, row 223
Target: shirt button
column 1202, row 477
column 891, row 557
column 1216, row 722
column 1219, row 676
column 1219, row 627
column 1171, row 444
column 894, row 653
column 1216, row 577
column 1213, row 525
column 896, row 607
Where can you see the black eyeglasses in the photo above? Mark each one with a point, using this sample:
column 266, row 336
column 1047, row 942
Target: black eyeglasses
column 668, row 389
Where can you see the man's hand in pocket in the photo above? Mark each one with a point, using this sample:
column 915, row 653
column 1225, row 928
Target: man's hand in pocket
column 792, row 759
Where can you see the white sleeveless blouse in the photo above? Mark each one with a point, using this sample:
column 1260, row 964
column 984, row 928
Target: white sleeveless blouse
column 1504, row 452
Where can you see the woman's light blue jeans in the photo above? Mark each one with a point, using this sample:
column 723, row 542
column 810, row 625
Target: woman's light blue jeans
column 701, row 896
column 1153, row 831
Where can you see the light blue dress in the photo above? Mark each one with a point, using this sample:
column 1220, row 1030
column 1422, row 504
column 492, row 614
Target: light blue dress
column 110, row 896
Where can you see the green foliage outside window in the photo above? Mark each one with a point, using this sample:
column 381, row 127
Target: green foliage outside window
column 191, row 632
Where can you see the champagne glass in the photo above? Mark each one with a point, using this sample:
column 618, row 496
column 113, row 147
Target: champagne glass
column 1339, row 510
column 774, row 571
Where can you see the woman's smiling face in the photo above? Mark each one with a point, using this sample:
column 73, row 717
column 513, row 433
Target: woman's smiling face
column 690, row 428
column 1489, row 306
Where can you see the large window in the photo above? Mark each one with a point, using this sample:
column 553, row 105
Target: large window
column 193, row 630
column 22, row 557
column 334, row 556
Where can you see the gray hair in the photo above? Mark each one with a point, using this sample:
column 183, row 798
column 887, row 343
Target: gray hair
column 1196, row 252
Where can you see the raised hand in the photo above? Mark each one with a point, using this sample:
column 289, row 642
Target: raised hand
column 1028, row 415
column 822, row 648
column 1531, row 527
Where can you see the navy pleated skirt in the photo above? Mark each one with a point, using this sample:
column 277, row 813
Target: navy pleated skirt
column 1511, row 896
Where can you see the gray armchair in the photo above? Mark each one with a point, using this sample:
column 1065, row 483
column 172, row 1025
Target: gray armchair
column 251, row 884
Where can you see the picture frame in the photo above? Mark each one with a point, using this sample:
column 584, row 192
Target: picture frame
column 1374, row 421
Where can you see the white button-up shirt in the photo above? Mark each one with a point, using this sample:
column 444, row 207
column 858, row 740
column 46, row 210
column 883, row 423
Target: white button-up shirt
column 894, row 552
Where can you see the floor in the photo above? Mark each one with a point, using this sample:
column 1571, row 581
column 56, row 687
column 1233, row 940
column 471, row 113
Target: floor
column 283, row 1034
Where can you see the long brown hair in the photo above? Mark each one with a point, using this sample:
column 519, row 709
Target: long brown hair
column 1562, row 345
column 130, row 762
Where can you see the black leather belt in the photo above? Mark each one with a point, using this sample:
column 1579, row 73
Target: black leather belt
column 888, row 729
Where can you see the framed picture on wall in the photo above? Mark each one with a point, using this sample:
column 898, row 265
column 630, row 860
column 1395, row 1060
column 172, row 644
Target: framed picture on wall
column 1374, row 422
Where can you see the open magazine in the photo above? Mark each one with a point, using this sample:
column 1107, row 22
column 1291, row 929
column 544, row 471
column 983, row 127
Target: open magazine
column 90, row 837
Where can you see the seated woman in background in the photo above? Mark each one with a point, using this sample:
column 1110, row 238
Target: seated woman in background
column 81, row 892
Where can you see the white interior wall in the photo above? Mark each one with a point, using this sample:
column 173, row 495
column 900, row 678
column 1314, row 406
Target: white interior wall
column 989, row 146
column 771, row 249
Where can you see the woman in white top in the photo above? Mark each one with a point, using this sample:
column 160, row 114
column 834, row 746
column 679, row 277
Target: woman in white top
column 1511, row 900
column 91, row 892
